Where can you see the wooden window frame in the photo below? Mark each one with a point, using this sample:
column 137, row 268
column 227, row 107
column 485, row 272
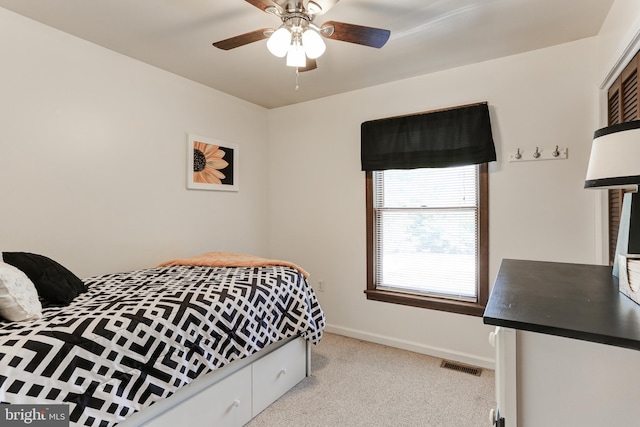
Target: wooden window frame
column 429, row 302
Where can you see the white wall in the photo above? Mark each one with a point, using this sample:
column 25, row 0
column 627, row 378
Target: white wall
column 93, row 157
column 618, row 40
column 538, row 210
column 566, row 382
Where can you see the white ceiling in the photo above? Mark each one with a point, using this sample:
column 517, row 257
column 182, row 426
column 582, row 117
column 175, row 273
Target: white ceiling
column 426, row 36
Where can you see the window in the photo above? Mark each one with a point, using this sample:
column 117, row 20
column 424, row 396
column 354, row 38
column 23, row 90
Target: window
column 427, row 243
column 427, row 208
column 623, row 106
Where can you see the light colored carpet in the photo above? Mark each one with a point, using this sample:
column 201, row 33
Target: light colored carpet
column 357, row 383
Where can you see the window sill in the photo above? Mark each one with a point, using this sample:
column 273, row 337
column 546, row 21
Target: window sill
column 441, row 304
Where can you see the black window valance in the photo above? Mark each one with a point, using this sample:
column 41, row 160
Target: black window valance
column 452, row 137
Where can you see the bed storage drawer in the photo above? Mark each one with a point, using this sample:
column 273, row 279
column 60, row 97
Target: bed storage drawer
column 277, row 372
column 229, row 406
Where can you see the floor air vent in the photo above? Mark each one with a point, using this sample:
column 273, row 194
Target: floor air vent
column 455, row 366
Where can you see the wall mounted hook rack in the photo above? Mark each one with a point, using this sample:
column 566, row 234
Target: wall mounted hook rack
column 539, row 153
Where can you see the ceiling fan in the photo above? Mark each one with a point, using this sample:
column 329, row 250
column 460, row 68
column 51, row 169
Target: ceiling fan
column 299, row 38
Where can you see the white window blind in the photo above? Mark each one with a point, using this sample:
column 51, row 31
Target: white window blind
column 426, row 228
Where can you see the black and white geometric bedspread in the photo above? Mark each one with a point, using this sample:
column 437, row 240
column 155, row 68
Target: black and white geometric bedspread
column 135, row 338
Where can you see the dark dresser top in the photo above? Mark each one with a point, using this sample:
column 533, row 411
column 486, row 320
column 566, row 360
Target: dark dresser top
column 569, row 300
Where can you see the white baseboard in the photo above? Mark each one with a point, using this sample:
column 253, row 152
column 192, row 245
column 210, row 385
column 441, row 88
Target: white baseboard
column 442, row 353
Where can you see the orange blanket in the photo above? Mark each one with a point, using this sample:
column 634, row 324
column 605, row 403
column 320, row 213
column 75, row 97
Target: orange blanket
column 230, row 259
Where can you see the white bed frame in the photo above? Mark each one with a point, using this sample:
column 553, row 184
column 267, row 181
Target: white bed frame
column 234, row 394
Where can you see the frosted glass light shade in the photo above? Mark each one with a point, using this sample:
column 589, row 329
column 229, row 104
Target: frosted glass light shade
column 313, row 44
column 295, row 56
column 278, row 43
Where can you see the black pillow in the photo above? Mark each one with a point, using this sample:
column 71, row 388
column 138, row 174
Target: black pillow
column 53, row 282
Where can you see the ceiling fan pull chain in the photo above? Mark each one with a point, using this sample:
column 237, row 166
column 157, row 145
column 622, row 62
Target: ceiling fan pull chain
column 297, row 79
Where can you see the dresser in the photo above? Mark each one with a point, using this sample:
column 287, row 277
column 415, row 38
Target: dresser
column 566, row 346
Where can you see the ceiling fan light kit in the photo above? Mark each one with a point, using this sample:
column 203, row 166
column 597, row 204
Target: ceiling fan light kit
column 278, row 43
column 295, row 55
column 298, row 38
column 313, row 44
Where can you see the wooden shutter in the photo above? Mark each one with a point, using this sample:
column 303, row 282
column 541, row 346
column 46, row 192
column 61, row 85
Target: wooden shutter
column 623, row 106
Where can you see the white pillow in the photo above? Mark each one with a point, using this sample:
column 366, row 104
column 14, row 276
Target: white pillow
column 18, row 296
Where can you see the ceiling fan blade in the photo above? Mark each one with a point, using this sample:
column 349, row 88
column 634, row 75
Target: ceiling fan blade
column 358, row 34
column 243, row 39
column 311, row 65
column 263, row 4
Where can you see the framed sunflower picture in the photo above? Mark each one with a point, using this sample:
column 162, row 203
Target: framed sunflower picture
column 211, row 164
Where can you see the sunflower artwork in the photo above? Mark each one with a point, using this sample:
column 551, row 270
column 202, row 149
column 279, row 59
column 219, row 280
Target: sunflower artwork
column 211, row 164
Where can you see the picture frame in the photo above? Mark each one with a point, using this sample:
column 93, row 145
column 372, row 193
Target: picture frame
column 212, row 164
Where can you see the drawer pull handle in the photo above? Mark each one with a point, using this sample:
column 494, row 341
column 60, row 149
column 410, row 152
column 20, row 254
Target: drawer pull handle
column 236, row 403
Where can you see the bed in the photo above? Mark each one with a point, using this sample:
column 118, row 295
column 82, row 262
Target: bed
column 152, row 346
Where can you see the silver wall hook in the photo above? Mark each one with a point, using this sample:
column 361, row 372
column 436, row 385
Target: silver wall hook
column 518, row 154
column 536, row 154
